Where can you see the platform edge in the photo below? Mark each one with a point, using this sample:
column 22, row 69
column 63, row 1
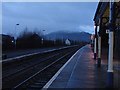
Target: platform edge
column 58, row 72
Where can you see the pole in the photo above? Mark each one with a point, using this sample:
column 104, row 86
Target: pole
column 95, row 43
column 111, row 42
column 15, row 43
column 99, row 52
column 99, row 43
column 42, row 42
column 15, row 35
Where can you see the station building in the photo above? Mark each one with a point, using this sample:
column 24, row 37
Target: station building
column 107, row 35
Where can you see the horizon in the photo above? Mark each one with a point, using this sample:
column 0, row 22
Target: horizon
column 53, row 32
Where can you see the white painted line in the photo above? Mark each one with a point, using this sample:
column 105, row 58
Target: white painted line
column 59, row 71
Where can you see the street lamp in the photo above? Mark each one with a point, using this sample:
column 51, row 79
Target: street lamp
column 42, row 37
column 15, row 35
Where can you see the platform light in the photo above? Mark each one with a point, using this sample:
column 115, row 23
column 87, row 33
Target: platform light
column 94, row 26
column 92, row 36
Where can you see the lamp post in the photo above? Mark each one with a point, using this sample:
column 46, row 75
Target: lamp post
column 15, row 34
column 42, row 37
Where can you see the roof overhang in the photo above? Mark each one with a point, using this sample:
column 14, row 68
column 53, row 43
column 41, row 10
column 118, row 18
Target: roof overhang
column 102, row 11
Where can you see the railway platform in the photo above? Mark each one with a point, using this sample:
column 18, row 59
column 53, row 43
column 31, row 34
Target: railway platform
column 16, row 53
column 80, row 71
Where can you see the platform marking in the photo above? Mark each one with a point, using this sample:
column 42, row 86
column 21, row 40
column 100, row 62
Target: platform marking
column 59, row 71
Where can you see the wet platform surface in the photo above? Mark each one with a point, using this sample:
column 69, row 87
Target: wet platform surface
column 80, row 71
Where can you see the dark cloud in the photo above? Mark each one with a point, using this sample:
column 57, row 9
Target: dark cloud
column 50, row 16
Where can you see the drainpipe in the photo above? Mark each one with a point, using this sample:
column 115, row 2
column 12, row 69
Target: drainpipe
column 111, row 42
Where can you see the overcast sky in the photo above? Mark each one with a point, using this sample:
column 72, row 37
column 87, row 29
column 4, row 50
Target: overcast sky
column 51, row 17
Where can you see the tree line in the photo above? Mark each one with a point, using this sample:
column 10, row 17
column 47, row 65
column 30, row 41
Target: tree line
column 33, row 40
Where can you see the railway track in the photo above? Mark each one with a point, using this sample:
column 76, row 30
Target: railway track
column 19, row 65
column 37, row 73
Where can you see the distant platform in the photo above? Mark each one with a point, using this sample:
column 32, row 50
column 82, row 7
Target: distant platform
column 20, row 52
column 80, row 71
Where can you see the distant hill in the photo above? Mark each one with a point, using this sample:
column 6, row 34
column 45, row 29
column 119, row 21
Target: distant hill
column 76, row 36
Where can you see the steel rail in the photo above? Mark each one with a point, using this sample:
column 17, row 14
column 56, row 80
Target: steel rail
column 40, row 71
column 33, row 54
column 29, row 66
column 20, row 70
